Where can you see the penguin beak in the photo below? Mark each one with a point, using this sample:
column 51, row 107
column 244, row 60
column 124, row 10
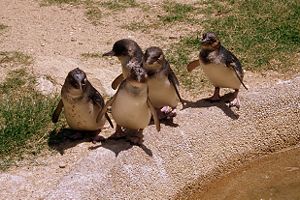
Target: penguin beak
column 110, row 53
column 83, row 83
column 205, row 41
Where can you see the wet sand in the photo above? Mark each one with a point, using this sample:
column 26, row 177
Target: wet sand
column 275, row 177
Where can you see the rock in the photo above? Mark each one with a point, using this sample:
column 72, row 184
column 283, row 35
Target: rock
column 57, row 67
column 45, row 86
column 62, row 165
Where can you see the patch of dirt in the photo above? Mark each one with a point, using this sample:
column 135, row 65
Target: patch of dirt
column 56, row 34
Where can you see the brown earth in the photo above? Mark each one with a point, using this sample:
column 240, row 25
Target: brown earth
column 209, row 139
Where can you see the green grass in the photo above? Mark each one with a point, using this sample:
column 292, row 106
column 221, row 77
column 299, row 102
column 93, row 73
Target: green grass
column 14, row 57
column 3, row 27
column 93, row 8
column 24, row 115
column 175, row 12
column 260, row 33
column 13, row 81
column 179, row 55
column 93, row 12
column 119, row 4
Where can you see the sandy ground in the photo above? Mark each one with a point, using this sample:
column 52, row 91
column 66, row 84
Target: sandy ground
column 209, row 139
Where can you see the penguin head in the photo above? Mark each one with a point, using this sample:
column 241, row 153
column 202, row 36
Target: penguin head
column 210, row 41
column 153, row 58
column 126, row 48
column 76, row 80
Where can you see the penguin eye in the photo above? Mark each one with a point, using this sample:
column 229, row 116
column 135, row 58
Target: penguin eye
column 74, row 83
column 123, row 53
column 156, row 58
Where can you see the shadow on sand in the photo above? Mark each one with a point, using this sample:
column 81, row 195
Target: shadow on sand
column 119, row 145
column 167, row 122
column 63, row 139
column 204, row 103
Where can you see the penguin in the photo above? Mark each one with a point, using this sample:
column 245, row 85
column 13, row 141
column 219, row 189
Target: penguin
column 130, row 106
column 222, row 68
column 162, row 82
column 129, row 54
column 82, row 104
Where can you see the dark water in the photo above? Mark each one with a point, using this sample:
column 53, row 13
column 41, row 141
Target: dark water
column 275, row 177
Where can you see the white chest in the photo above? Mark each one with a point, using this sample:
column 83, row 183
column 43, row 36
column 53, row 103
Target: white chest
column 162, row 92
column 221, row 76
column 81, row 115
column 131, row 111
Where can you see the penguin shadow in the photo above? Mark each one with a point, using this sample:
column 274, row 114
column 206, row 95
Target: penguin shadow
column 166, row 121
column 169, row 122
column 222, row 104
column 65, row 138
column 120, row 144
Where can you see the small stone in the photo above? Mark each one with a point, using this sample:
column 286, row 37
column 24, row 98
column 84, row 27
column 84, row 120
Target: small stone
column 62, row 165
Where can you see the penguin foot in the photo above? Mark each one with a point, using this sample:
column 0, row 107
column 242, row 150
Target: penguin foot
column 167, row 112
column 118, row 135
column 215, row 97
column 235, row 103
column 98, row 138
column 74, row 135
column 137, row 139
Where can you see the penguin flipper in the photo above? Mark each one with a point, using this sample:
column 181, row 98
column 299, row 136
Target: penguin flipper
column 233, row 62
column 170, row 73
column 98, row 99
column 109, row 120
column 57, row 111
column 237, row 72
column 117, row 81
column 172, row 78
column 192, row 65
column 104, row 109
column 174, row 81
column 154, row 115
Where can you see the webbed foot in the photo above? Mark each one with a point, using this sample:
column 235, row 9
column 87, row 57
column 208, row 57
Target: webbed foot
column 168, row 112
column 215, row 97
column 235, row 102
